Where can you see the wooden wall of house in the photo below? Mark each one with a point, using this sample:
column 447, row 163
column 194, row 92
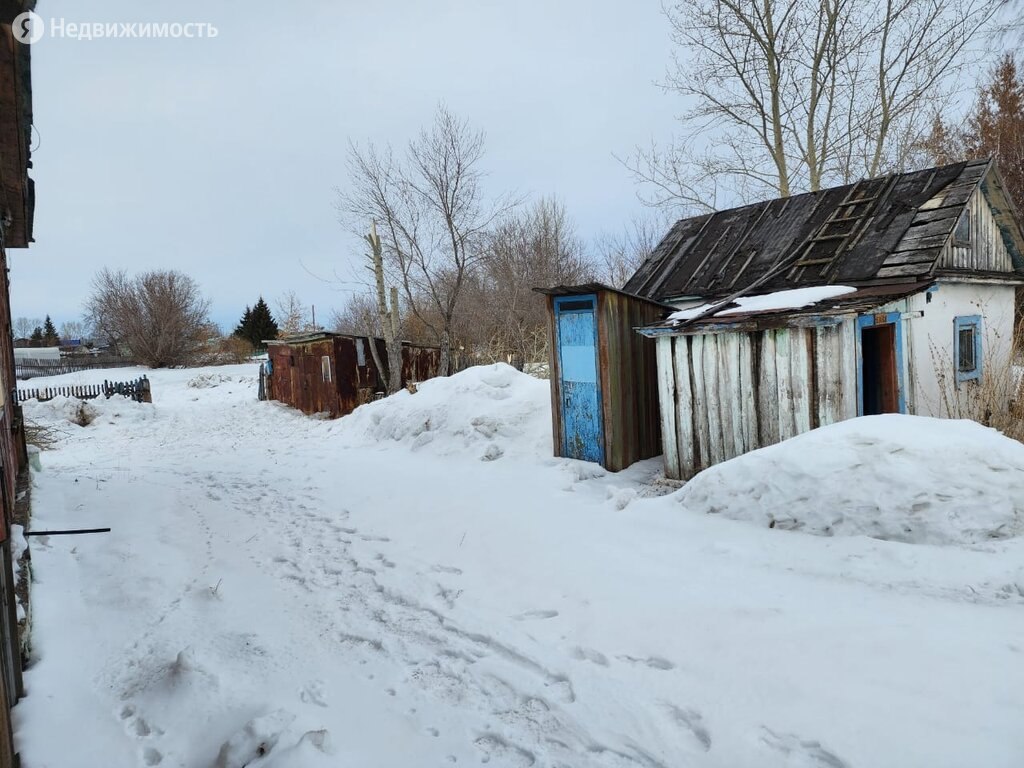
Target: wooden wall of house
column 723, row 394
column 986, row 251
column 629, row 379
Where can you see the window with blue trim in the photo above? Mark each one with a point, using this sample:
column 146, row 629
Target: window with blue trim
column 967, row 347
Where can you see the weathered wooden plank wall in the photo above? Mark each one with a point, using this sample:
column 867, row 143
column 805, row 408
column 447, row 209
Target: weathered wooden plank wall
column 628, row 371
column 986, row 251
column 724, row 394
column 629, row 386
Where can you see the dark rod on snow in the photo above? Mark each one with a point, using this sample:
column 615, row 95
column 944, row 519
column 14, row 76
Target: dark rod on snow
column 72, row 532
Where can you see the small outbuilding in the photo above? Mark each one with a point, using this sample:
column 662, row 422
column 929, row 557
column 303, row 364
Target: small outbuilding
column 334, row 373
column 891, row 295
column 604, row 393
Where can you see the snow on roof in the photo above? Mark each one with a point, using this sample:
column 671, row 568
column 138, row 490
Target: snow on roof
column 795, row 298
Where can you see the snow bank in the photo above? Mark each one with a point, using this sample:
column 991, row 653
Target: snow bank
column 489, row 410
column 900, row 478
column 63, row 410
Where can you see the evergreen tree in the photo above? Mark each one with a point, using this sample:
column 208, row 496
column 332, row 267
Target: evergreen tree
column 50, row 337
column 257, row 325
column 36, row 339
column 242, row 330
column 994, row 128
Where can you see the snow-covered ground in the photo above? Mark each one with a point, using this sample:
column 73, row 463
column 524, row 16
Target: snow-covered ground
column 420, row 584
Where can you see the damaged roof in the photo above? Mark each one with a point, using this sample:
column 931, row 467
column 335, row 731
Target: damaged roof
column 890, row 229
column 726, row 318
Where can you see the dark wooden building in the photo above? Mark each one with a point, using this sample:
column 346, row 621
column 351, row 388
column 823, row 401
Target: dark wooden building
column 334, row 373
column 17, row 205
column 604, row 389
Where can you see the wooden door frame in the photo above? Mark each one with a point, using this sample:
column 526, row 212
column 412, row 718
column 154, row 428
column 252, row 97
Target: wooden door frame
column 864, row 322
column 557, row 313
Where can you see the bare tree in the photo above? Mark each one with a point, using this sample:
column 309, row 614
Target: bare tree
column 359, row 316
column 534, row 247
column 388, row 316
column 620, row 256
column 73, row 329
column 160, row 317
column 292, row 315
column 433, row 216
column 795, row 95
column 23, row 326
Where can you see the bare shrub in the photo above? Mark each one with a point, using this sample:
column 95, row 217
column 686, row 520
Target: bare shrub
column 159, row 317
column 995, row 400
column 44, row 438
column 235, row 350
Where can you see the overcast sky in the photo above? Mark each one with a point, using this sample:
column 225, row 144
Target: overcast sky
column 219, row 157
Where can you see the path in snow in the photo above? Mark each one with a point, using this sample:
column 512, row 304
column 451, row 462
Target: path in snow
column 271, row 579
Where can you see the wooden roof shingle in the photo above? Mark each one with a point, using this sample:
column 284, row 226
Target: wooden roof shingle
column 888, row 229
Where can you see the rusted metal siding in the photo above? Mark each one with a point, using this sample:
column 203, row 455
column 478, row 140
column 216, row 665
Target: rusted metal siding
column 298, row 374
column 724, row 394
column 628, row 376
column 419, row 363
column 985, row 251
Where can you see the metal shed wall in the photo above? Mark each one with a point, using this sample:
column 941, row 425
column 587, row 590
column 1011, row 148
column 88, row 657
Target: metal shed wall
column 723, row 394
column 627, row 370
column 297, row 377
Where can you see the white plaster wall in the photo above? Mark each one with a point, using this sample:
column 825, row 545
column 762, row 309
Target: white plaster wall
column 930, row 355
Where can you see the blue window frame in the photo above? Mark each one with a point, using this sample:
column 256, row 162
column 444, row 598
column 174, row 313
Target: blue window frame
column 967, row 348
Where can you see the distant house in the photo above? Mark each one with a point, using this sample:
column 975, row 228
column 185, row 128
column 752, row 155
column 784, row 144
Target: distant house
column 37, row 353
column 334, row 373
column 786, row 315
column 17, row 207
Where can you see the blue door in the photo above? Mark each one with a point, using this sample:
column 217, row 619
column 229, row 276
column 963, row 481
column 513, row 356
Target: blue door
column 582, row 427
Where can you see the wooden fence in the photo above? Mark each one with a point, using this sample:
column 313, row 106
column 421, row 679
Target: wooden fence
column 138, row 390
column 27, row 368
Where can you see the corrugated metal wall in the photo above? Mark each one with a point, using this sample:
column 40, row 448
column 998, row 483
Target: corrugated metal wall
column 298, row 376
column 724, row 394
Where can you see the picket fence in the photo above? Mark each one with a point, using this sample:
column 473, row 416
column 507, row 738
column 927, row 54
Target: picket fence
column 137, row 390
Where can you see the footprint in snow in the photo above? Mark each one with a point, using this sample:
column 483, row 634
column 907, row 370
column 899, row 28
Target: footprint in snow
column 446, row 569
column 813, row 755
column 692, row 721
column 654, row 662
column 589, row 654
column 540, row 614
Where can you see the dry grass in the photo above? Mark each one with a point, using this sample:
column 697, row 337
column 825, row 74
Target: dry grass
column 44, row 438
column 997, row 399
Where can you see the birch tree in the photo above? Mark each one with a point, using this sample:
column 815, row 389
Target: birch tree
column 433, row 216
column 388, row 316
column 796, row 95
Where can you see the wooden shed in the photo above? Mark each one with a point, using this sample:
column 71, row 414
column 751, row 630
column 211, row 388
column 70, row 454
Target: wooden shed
column 334, row 373
column 890, row 295
column 604, row 389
